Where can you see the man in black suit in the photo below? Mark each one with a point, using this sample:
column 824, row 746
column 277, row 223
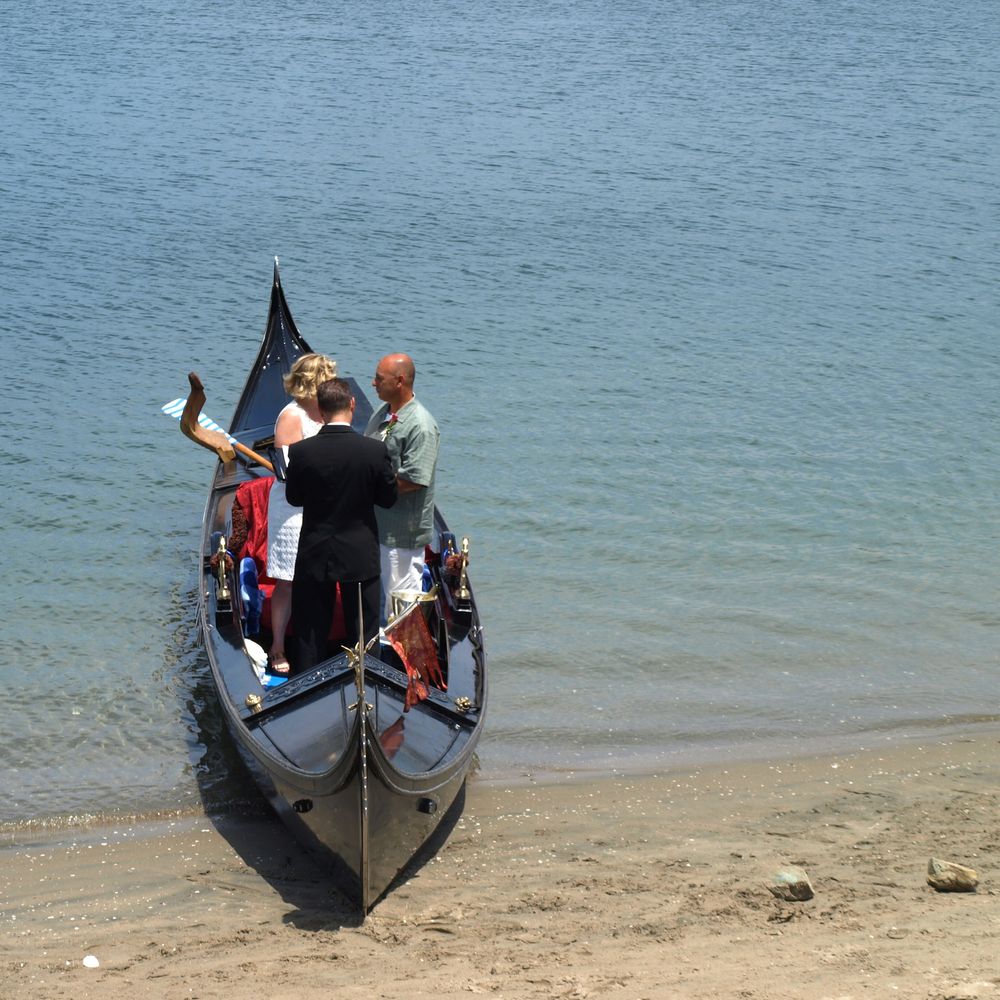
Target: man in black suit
column 337, row 478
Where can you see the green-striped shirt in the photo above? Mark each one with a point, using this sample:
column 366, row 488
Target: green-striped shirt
column 412, row 441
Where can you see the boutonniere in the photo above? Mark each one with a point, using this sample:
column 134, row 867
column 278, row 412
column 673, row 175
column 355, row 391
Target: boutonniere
column 387, row 430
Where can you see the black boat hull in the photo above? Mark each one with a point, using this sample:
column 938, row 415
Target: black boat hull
column 359, row 779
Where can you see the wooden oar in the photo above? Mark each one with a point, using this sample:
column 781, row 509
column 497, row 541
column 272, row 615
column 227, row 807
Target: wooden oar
column 222, row 444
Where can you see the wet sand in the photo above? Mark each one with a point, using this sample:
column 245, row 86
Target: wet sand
column 630, row 888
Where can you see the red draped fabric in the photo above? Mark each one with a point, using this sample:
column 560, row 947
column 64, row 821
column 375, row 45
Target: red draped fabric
column 411, row 638
column 253, row 497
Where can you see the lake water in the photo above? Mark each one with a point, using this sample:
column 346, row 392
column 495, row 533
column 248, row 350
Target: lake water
column 703, row 294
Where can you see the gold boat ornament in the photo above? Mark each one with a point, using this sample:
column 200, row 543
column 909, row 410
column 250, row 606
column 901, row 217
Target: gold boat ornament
column 220, row 572
column 356, row 660
column 463, row 593
column 402, row 600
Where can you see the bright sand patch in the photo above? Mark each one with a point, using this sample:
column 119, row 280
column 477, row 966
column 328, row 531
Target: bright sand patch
column 626, row 888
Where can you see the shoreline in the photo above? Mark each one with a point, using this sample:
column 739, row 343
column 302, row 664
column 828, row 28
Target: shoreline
column 629, row 885
column 640, row 766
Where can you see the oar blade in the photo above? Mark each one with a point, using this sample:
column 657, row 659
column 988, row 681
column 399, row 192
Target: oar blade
column 175, row 408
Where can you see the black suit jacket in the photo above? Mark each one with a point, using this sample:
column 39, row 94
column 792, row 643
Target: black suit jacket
column 337, row 477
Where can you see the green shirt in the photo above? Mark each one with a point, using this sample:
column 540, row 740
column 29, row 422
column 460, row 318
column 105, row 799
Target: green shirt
column 412, row 442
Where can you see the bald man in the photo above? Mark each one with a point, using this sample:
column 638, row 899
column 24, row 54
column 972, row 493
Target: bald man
column 412, row 438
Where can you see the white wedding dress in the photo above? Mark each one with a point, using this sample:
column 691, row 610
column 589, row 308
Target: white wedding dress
column 284, row 522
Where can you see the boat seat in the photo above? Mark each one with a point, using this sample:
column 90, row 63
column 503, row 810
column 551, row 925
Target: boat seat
column 251, row 595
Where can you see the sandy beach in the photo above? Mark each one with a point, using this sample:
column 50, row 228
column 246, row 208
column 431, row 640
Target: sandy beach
column 645, row 887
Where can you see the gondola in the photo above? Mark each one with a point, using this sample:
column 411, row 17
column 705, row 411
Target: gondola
column 362, row 779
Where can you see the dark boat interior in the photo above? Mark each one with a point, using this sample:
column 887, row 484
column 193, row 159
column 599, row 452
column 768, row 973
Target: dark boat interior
column 291, row 711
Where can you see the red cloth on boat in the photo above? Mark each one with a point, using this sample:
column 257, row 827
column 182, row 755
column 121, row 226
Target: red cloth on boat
column 411, row 638
column 253, row 496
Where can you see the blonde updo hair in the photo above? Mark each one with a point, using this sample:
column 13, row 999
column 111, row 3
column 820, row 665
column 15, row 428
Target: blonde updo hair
column 308, row 374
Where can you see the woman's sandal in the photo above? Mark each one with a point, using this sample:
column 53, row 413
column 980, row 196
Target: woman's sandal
column 277, row 663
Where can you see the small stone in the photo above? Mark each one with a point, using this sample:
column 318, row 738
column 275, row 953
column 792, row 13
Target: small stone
column 791, row 884
column 91, row 961
column 946, row 876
